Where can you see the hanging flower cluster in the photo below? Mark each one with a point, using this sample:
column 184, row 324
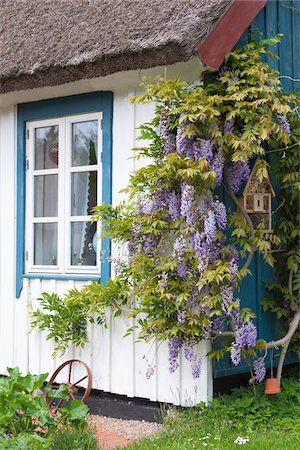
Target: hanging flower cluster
column 194, row 240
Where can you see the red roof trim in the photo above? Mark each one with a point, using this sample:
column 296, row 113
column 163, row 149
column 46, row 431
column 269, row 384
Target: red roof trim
column 228, row 31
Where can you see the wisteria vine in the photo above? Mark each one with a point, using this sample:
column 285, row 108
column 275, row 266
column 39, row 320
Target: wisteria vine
column 186, row 252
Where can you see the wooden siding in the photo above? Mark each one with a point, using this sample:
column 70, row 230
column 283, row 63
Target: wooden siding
column 118, row 364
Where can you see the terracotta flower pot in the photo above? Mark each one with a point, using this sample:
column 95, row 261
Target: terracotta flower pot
column 272, row 387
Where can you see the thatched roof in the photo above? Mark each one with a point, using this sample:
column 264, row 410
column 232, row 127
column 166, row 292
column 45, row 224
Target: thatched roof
column 49, row 42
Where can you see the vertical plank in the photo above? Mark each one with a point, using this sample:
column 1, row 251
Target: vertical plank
column 47, row 346
column 286, row 45
column 168, row 385
column 296, row 44
column 271, row 13
column 34, row 337
column 21, row 345
column 145, row 358
column 7, row 238
column 102, row 355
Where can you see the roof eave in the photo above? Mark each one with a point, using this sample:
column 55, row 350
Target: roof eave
column 228, row 31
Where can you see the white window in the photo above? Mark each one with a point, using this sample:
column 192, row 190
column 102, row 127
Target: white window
column 63, row 185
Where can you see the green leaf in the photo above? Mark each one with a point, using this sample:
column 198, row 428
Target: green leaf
column 75, row 410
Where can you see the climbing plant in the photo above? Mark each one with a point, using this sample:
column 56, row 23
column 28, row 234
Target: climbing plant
column 183, row 254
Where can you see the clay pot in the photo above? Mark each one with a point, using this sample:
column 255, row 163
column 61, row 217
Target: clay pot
column 272, row 387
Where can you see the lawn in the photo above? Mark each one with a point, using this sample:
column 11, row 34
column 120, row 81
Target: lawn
column 233, row 421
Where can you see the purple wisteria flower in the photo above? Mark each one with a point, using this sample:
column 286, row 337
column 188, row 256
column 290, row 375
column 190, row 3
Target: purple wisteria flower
column 227, row 298
column 178, row 253
column 202, row 251
column 203, row 149
column 229, row 126
column 181, row 317
column 235, row 355
column 163, row 280
column 246, row 336
column 133, row 242
column 184, row 144
column 150, row 244
column 204, row 203
column 193, row 297
column 284, row 124
column 182, row 270
column 187, row 208
column 170, row 144
column 233, row 268
column 138, row 206
column 196, row 369
column 220, row 214
column 217, row 166
column 210, row 226
column 178, row 247
column 222, row 71
column 150, row 372
column 163, row 128
column 259, row 369
column 174, row 205
column 174, row 346
column 190, row 355
column 156, row 203
column 237, row 173
column 219, row 324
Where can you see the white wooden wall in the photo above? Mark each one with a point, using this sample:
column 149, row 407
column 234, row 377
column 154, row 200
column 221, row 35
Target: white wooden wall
column 118, row 364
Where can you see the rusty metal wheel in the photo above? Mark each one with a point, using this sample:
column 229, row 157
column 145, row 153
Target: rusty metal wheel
column 77, row 375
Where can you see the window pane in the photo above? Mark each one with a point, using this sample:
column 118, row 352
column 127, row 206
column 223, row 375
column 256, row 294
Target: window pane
column 46, row 196
column 84, row 143
column 83, row 192
column 83, row 244
column 45, row 244
column 46, row 148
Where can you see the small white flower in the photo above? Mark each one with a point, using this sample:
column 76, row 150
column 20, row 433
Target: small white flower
column 240, row 440
column 204, row 444
column 217, row 438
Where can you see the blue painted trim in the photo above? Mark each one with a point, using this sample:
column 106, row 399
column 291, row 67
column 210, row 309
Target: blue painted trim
column 57, row 107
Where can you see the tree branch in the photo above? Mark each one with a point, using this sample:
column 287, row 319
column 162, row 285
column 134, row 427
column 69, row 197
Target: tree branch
column 248, row 260
column 281, row 360
column 223, row 333
column 292, row 328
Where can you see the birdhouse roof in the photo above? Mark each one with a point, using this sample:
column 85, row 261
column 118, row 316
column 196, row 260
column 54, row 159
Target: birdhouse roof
column 265, row 181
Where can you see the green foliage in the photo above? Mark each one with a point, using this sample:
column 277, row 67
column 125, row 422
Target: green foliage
column 21, row 411
column 25, row 440
column 248, row 91
column 246, row 411
column 266, row 421
column 66, row 318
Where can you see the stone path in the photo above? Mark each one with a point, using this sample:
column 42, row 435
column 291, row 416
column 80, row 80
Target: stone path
column 117, row 433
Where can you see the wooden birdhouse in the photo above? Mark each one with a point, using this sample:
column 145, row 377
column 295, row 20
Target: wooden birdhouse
column 257, row 200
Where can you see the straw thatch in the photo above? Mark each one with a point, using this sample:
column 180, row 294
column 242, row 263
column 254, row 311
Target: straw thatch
column 49, row 42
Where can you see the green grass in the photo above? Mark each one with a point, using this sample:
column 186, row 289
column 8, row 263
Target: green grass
column 73, row 440
column 63, row 439
column 269, row 422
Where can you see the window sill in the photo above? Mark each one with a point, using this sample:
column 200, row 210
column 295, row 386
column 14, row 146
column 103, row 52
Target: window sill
column 65, row 277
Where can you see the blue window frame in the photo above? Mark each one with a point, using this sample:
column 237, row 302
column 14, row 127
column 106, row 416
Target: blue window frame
column 53, row 108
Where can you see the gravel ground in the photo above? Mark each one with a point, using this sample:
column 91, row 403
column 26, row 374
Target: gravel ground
column 130, row 429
